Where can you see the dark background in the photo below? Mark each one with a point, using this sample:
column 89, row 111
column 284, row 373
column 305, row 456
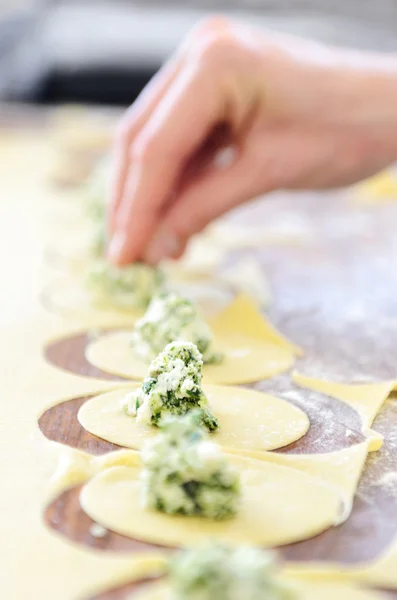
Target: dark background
column 105, row 51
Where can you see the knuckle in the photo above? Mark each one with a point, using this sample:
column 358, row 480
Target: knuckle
column 210, row 23
column 216, row 49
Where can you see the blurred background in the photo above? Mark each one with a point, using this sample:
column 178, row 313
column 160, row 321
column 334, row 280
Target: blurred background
column 103, row 52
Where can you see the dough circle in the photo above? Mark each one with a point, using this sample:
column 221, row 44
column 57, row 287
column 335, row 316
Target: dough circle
column 249, row 420
column 279, row 506
column 71, row 298
column 306, row 590
column 247, row 359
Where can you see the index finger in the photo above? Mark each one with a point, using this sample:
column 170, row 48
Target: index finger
column 179, row 124
column 131, row 123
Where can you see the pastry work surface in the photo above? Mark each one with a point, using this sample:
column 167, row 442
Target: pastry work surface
column 332, row 295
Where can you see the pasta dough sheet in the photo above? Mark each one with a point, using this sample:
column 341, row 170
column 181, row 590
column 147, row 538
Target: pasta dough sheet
column 325, row 590
column 253, row 349
column 377, row 189
column 112, row 498
column 341, row 470
column 366, row 399
column 249, row 420
column 45, row 559
column 71, row 299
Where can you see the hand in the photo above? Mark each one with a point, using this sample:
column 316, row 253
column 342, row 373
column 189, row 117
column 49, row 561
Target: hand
column 234, row 114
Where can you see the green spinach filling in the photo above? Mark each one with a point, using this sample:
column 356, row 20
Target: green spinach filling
column 172, row 387
column 185, row 473
column 214, row 571
column 171, row 317
column 131, row 287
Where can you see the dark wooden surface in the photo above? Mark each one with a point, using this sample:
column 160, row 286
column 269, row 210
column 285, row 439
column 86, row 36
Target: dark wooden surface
column 68, row 354
column 336, row 296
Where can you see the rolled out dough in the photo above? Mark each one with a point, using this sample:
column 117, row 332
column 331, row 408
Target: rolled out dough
column 307, row 591
column 249, row 420
column 112, row 498
column 253, row 349
column 70, row 298
column 366, row 399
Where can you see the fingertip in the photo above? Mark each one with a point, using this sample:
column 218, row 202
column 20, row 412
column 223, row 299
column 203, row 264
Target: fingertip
column 117, row 248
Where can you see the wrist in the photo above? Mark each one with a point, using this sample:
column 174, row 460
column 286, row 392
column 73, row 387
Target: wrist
column 368, row 90
column 343, row 87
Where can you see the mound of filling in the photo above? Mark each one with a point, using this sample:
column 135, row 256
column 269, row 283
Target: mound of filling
column 216, row 571
column 185, row 473
column 171, row 317
column 172, row 387
column 130, row 287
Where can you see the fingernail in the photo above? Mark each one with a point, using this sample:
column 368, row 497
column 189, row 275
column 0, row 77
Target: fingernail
column 116, row 246
column 163, row 245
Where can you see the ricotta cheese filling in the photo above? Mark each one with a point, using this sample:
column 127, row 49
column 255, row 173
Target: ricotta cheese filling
column 171, row 317
column 172, row 387
column 131, row 286
column 185, row 473
column 217, row 571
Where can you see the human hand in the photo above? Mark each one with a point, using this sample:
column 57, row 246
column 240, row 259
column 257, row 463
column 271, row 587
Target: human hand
column 295, row 115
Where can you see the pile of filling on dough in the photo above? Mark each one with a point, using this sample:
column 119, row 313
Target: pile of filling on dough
column 217, row 572
column 173, row 387
column 185, row 473
column 171, row 317
column 131, row 286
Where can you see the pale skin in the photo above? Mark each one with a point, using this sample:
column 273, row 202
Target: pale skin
column 296, row 114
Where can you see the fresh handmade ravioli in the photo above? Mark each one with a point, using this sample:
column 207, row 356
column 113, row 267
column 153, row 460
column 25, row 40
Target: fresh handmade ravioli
column 252, row 349
column 278, row 506
column 248, row 420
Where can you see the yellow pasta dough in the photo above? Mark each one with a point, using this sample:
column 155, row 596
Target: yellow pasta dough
column 366, row 399
column 36, row 562
column 249, row 420
column 279, row 506
column 377, row 189
column 70, row 298
column 325, row 590
column 253, row 349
